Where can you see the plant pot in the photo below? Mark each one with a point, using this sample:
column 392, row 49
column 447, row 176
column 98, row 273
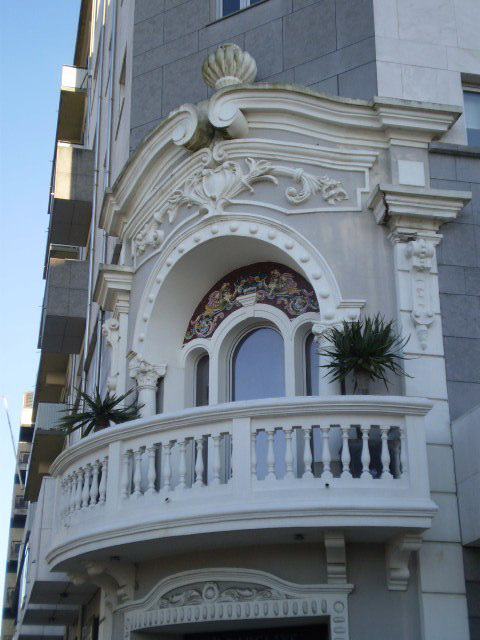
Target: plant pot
column 362, row 383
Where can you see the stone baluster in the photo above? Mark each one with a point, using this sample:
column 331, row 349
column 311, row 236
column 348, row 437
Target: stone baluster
column 216, row 465
column 94, row 487
column 326, row 455
column 288, row 453
column 125, row 475
column 307, row 452
column 78, row 492
column 253, row 454
column 151, row 472
column 403, row 451
column 73, row 492
column 182, row 464
column 137, row 472
column 86, row 486
column 365, row 458
column 345, row 452
column 270, row 454
column 166, row 467
column 102, row 490
column 199, row 466
column 385, row 455
column 396, row 458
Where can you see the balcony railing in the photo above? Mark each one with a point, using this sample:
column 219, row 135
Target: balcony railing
column 348, row 461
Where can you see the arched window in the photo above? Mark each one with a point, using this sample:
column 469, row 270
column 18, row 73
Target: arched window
column 258, row 366
column 311, row 366
column 201, row 380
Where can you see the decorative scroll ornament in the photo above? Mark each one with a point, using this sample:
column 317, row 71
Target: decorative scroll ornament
column 213, row 592
column 228, row 66
column 111, row 333
column 149, row 235
column 211, row 189
column 421, row 253
column 270, row 282
column 145, row 374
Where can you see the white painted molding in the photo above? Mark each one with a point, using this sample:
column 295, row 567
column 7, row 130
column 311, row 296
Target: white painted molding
column 334, row 541
column 406, row 210
column 228, row 66
column 113, row 286
column 238, row 110
column 397, row 554
column 214, row 594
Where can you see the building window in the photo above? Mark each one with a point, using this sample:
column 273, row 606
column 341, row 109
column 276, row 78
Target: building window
column 311, row 366
column 227, row 7
column 258, row 366
column 201, row 380
column 471, row 98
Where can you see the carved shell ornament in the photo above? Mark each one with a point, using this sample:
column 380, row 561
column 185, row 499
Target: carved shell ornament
column 210, row 190
column 228, row 66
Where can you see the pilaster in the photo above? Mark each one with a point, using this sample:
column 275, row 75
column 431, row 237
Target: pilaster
column 146, row 376
column 413, row 217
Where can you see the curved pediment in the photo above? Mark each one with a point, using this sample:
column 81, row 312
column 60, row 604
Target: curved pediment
column 283, row 148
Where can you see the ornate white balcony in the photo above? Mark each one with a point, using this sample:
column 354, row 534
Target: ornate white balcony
column 277, row 467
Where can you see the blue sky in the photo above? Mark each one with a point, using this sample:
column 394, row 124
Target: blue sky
column 36, row 38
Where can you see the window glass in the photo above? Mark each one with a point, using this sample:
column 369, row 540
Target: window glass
column 201, row 381
column 311, row 366
column 230, row 6
column 472, row 117
column 258, row 369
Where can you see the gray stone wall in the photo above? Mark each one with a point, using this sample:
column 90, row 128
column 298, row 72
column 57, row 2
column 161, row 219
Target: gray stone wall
column 327, row 45
column 455, row 167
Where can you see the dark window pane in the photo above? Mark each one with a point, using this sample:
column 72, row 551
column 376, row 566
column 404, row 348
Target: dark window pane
column 472, row 117
column 258, row 367
column 230, row 6
column 201, row 381
column 311, row 366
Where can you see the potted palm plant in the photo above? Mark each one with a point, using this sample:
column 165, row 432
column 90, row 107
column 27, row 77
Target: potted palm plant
column 98, row 413
column 368, row 348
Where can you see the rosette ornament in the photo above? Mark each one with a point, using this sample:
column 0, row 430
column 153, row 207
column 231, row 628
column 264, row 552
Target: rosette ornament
column 228, row 66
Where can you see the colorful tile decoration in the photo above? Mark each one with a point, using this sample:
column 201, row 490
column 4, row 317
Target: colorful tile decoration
column 273, row 283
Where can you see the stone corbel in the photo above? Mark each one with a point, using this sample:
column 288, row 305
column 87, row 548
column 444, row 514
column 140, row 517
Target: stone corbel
column 397, row 556
column 146, row 376
column 421, row 253
column 116, row 580
column 336, row 557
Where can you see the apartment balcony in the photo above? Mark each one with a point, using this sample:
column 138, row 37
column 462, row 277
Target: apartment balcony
column 215, row 476
column 47, row 600
column 72, row 196
column 64, row 306
column 47, row 445
column 466, row 445
column 73, row 105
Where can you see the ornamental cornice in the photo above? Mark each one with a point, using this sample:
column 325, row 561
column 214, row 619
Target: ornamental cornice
column 114, row 283
column 236, row 112
column 406, row 210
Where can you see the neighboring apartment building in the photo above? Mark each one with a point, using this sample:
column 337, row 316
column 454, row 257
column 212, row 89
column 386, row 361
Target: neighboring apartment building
column 215, row 209
column 17, row 520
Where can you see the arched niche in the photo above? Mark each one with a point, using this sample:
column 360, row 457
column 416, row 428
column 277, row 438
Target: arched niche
column 187, row 268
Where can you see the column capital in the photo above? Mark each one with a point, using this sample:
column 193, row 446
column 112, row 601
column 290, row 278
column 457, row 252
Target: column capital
column 146, row 374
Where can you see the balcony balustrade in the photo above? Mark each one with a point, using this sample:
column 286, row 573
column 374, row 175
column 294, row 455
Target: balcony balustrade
column 349, row 461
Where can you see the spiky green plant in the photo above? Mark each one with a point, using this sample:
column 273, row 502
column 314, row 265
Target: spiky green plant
column 368, row 345
column 98, row 413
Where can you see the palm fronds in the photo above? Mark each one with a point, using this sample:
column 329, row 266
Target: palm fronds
column 370, row 345
column 98, row 412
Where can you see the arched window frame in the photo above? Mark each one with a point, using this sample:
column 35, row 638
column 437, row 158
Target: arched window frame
column 221, row 345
